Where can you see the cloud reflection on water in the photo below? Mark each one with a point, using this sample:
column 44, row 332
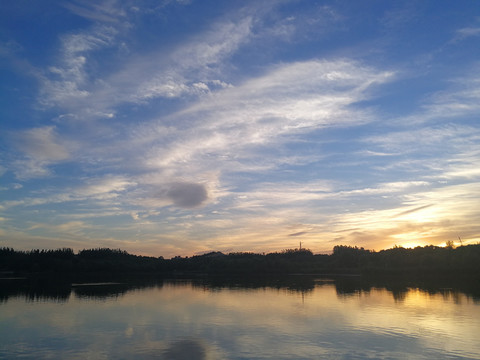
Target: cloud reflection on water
column 186, row 349
column 199, row 320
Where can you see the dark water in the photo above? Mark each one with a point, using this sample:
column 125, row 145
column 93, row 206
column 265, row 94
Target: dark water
column 300, row 318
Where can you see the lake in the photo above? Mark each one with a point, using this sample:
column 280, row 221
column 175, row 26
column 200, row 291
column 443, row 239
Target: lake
column 295, row 318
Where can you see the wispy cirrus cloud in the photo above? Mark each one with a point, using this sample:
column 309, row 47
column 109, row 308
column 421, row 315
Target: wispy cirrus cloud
column 466, row 32
column 458, row 100
column 219, row 135
column 104, row 11
column 68, row 84
column 190, row 69
column 424, row 138
column 102, row 186
column 103, row 189
column 432, row 143
column 292, row 99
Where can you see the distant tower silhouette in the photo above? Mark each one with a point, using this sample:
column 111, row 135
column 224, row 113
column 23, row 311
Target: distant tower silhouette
column 300, row 245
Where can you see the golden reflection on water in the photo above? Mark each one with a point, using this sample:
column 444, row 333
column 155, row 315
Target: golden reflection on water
column 204, row 322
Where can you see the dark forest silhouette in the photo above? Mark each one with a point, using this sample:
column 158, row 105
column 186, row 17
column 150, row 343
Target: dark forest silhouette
column 420, row 261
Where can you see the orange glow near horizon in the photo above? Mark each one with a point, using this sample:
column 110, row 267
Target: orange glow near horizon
column 411, row 244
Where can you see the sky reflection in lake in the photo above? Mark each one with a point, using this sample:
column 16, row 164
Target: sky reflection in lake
column 182, row 320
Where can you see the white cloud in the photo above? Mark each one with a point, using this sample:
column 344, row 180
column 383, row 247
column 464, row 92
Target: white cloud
column 62, row 228
column 29, row 168
column 41, row 147
column 291, row 99
column 104, row 11
column 97, row 191
column 434, row 153
column 42, row 144
column 426, row 137
column 192, row 68
column 311, row 22
column 295, row 95
column 467, row 32
column 190, row 65
column 135, row 216
column 459, row 100
column 110, row 185
column 66, row 83
column 263, row 198
column 224, row 38
column 383, row 189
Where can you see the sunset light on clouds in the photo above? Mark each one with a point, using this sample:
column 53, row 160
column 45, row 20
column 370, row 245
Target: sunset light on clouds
column 181, row 127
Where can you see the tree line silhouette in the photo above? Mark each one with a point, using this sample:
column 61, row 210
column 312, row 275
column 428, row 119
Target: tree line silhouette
column 420, row 261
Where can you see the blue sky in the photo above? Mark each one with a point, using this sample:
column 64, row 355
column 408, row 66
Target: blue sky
column 180, row 127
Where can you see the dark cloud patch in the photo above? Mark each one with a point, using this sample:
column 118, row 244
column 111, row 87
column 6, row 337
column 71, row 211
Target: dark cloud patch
column 187, row 195
column 298, row 233
column 413, row 210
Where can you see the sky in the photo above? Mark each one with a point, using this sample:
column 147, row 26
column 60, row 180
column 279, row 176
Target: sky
column 170, row 128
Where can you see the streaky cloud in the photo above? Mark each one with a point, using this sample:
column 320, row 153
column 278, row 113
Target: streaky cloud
column 292, row 99
column 300, row 233
column 409, row 211
column 103, row 11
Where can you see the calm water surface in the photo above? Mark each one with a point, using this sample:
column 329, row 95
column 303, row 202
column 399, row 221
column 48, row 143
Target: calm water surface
column 320, row 319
